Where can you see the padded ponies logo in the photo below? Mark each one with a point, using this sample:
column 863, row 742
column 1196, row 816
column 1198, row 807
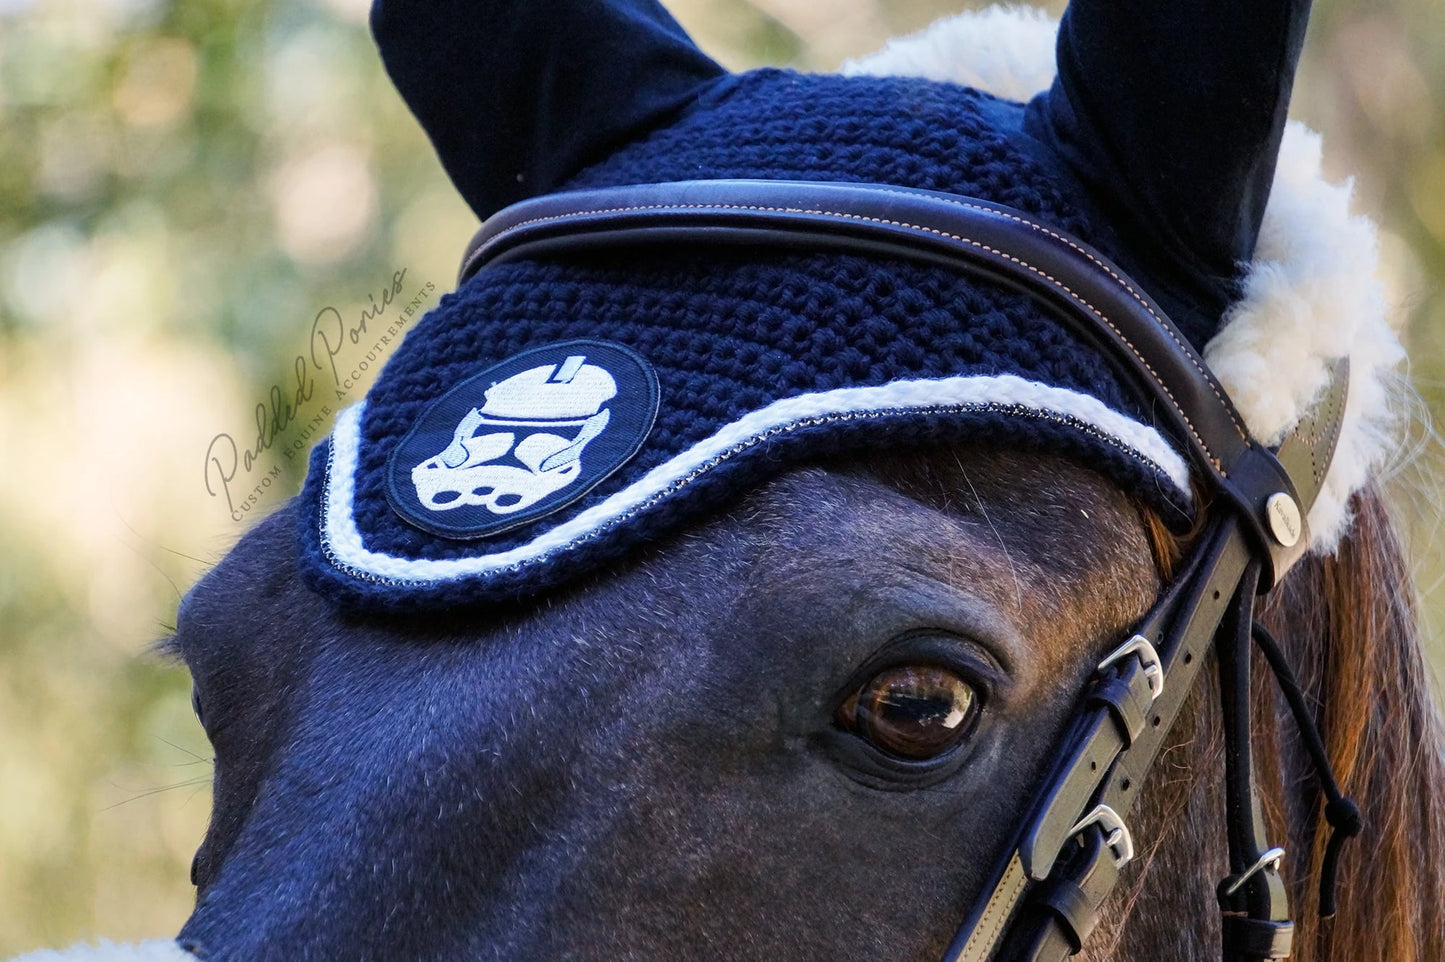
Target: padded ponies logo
column 293, row 414
column 523, row 438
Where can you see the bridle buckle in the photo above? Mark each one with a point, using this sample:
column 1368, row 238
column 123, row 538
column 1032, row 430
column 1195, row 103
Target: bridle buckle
column 1116, row 833
column 1270, row 859
column 1148, row 657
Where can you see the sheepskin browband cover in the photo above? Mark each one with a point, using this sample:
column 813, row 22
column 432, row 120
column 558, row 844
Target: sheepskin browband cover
column 1310, row 296
column 551, row 415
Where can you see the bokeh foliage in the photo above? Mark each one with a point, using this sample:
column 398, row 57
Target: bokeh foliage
column 183, row 185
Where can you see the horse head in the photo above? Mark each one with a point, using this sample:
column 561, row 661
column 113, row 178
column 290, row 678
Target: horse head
column 729, row 568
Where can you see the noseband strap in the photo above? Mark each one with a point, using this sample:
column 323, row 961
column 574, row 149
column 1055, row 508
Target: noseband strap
column 1065, row 858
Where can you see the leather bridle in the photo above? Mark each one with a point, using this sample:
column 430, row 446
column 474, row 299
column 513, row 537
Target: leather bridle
column 1062, row 862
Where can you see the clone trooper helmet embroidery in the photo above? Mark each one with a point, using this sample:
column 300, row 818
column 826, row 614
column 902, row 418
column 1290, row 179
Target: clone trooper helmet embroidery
column 544, row 418
column 522, row 438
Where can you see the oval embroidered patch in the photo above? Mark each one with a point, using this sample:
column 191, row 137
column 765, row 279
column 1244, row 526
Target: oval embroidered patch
column 522, row 439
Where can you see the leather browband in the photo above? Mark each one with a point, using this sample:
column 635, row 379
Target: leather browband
column 1079, row 286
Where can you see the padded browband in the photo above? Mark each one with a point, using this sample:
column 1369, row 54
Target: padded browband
column 1075, row 283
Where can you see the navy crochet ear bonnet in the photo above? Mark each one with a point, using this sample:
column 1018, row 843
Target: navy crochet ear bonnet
column 555, row 413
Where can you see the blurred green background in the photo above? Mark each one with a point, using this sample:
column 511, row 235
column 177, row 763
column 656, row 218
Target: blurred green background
column 183, row 186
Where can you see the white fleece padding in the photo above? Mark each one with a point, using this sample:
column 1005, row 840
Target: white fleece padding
column 1008, row 393
column 157, row 951
column 1007, row 51
column 1310, row 296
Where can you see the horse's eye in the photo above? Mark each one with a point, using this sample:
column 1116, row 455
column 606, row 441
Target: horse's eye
column 914, row 712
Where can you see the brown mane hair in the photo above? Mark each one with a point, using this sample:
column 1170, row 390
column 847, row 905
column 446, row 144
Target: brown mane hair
column 1349, row 626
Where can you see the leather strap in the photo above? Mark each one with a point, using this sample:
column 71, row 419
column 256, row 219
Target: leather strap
column 1246, row 938
column 1097, row 769
column 1108, row 755
column 1253, row 897
column 1073, row 901
column 1078, row 286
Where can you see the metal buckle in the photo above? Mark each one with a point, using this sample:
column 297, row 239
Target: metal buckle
column 1148, row 657
column 1270, row 858
column 1116, row 833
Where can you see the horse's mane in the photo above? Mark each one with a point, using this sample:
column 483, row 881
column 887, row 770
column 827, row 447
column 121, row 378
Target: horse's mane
column 1349, row 624
column 1353, row 632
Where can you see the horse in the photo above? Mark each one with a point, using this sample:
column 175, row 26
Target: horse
column 795, row 702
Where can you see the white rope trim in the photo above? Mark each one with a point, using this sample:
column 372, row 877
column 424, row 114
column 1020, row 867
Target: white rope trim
column 342, row 542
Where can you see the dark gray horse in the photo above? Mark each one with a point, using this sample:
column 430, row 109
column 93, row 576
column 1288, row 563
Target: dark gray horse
column 800, row 716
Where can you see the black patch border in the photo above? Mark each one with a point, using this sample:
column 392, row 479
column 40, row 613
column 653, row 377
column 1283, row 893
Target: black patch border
column 398, row 501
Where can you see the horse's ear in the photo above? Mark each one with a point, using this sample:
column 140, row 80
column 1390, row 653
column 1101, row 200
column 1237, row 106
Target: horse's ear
column 1171, row 112
column 518, row 95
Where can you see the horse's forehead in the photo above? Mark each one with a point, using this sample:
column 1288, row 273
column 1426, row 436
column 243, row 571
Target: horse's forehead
column 989, row 516
column 1008, row 549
